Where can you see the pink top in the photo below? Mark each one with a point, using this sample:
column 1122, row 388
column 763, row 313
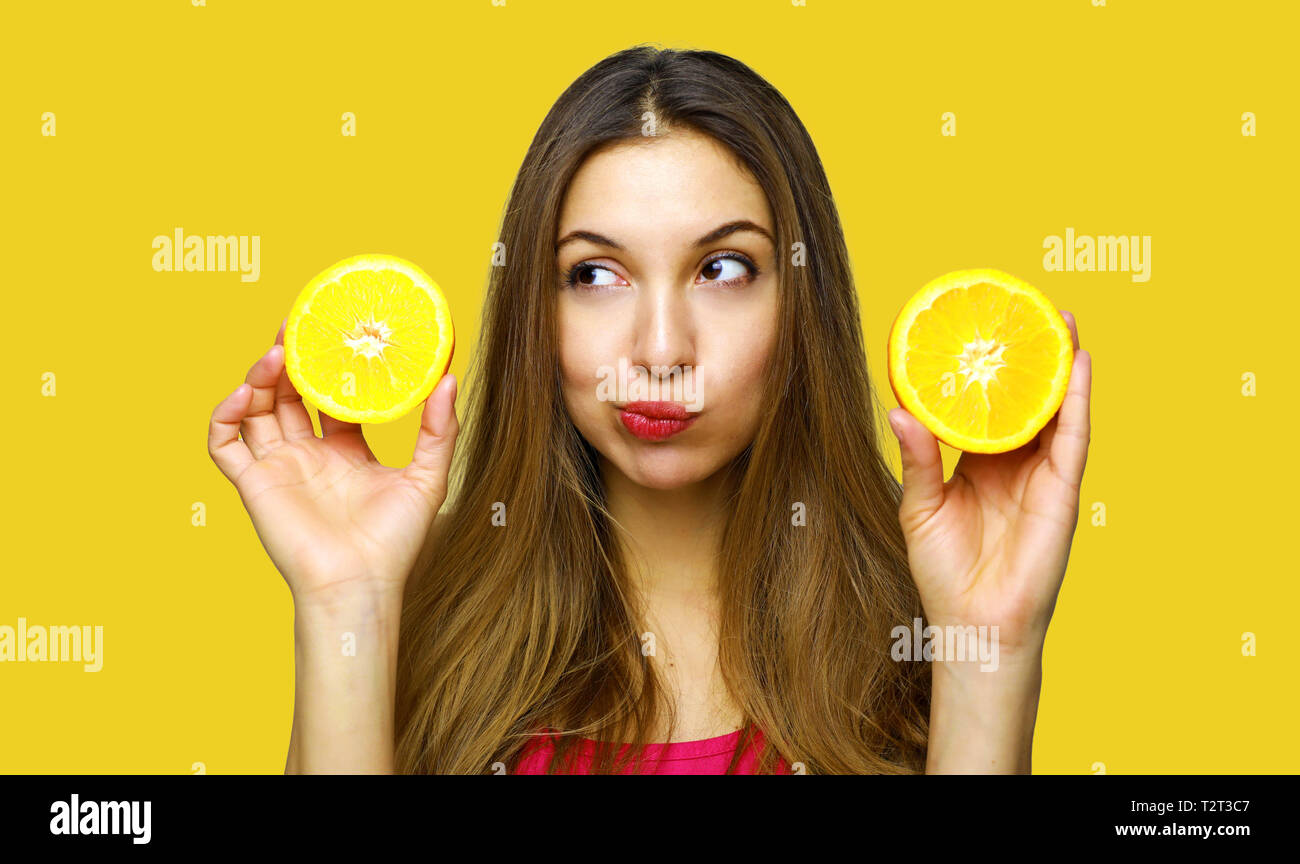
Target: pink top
column 706, row 756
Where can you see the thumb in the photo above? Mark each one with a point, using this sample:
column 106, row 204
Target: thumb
column 436, row 441
column 922, row 469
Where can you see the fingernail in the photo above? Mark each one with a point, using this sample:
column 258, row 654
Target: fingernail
column 442, row 412
column 893, row 425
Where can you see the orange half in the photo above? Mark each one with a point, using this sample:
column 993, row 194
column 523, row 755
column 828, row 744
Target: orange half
column 982, row 359
column 368, row 339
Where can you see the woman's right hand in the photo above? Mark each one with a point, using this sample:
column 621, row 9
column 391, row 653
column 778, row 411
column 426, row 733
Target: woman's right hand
column 330, row 516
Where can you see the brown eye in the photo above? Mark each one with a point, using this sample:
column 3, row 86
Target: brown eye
column 591, row 276
column 727, row 268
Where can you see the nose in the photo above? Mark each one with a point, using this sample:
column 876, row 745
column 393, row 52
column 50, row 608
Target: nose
column 665, row 330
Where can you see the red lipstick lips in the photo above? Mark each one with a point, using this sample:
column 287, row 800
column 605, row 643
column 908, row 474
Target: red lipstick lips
column 655, row 421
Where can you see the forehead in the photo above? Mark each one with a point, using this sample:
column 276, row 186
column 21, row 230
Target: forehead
column 683, row 183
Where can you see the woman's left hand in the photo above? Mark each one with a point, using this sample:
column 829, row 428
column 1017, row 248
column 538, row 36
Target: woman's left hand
column 989, row 547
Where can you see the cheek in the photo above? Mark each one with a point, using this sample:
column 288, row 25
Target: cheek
column 740, row 350
column 583, row 349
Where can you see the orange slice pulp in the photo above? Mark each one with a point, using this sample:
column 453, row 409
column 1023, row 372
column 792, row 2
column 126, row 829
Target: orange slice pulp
column 368, row 339
column 982, row 359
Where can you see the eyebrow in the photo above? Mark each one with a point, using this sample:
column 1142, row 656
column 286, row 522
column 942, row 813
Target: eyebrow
column 712, row 237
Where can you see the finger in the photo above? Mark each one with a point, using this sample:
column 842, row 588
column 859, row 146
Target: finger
column 261, row 428
column 1074, row 327
column 295, row 422
column 224, row 446
column 439, row 427
column 922, row 469
column 334, row 426
column 1048, row 432
column 1069, row 442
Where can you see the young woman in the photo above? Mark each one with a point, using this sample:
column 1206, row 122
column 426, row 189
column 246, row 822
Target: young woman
column 709, row 582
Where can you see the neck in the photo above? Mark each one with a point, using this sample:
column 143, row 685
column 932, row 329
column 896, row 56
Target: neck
column 669, row 536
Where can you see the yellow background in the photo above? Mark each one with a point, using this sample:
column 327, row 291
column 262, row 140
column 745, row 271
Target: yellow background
column 226, row 120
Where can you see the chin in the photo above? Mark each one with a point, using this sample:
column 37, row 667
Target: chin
column 663, row 466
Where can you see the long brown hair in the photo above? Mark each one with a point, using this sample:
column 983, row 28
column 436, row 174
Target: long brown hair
column 511, row 629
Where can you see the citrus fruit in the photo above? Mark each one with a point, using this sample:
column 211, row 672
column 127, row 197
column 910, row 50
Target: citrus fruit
column 368, row 339
column 981, row 359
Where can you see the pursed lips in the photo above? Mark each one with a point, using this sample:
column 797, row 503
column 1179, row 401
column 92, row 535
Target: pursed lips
column 656, row 421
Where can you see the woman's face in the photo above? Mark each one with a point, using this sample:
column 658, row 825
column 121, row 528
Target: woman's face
column 667, row 306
